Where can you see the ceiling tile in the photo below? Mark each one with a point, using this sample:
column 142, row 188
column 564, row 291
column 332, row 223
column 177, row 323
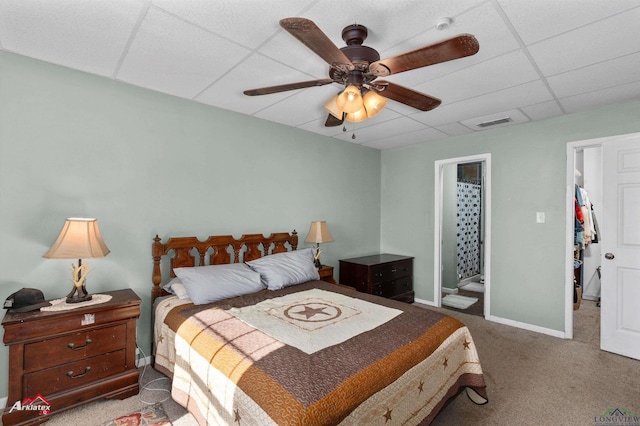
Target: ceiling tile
column 598, row 76
column 383, row 130
column 246, row 22
column 453, row 129
column 542, row 110
column 227, row 92
column 299, row 108
column 508, row 70
column 599, row 98
column 587, row 46
column 70, row 33
column 538, row 20
column 486, row 25
column 513, row 116
column 175, row 57
column 518, row 96
column 420, row 136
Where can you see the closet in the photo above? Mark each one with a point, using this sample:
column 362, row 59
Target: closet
column 587, row 203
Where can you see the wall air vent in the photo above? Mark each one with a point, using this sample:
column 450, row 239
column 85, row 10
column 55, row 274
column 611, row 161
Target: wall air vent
column 494, row 122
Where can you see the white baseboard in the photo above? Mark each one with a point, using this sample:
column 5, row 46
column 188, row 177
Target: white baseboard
column 512, row 323
column 449, row 290
column 530, row 327
column 425, row 302
column 3, row 402
column 144, row 361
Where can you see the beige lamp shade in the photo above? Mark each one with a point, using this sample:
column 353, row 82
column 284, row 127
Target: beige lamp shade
column 332, row 107
column 79, row 239
column 359, row 115
column 350, row 100
column 374, row 103
column 319, row 233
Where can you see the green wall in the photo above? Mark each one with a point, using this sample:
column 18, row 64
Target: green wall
column 528, row 176
column 73, row 144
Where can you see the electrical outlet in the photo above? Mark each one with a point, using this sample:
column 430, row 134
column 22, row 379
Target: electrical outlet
column 540, row 217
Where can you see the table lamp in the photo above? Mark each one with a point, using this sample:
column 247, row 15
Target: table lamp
column 80, row 238
column 318, row 233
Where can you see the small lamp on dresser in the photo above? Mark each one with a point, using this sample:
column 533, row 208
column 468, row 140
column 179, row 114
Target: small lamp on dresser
column 318, row 233
column 79, row 238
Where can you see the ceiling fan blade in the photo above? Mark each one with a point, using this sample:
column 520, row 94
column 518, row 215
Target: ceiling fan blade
column 310, row 35
column 456, row 47
column 286, row 87
column 333, row 121
column 406, row 96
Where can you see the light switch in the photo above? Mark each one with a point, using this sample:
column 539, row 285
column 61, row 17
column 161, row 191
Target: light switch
column 539, row 217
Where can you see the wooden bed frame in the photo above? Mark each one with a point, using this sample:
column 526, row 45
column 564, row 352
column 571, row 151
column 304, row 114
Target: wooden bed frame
column 215, row 251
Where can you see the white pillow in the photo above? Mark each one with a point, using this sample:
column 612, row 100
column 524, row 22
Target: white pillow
column 206, row 284
column 176, row 287
column 286, row 269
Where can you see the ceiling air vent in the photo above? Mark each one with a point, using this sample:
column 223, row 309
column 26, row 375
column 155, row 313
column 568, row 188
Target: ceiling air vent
column 494, row 122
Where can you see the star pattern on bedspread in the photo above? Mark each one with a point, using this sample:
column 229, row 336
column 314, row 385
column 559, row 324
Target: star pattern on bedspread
column 161, row 338
column 467, row 344
column 237, row 417
column 387, row 415
column 445, row 363
column 310, row 312
column 421, row 387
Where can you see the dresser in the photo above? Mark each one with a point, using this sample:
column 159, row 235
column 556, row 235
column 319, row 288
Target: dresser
column 386, row 275
column 68, row 358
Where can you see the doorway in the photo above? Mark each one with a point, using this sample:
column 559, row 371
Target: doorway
column 462, row 234
column 619, row 256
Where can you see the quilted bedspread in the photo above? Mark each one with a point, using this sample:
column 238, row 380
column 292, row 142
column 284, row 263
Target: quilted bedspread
column 313, row 354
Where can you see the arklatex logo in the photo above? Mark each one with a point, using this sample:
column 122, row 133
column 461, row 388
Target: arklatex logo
column 37, row 403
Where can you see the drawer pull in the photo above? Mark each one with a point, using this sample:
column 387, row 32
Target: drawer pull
column 394, row 270
column 77, row 348
column 70, row 373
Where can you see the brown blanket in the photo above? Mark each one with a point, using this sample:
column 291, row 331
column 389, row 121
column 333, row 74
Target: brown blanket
column 404, row 369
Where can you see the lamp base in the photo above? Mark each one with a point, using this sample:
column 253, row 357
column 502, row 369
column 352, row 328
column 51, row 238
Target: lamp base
column 78, row 294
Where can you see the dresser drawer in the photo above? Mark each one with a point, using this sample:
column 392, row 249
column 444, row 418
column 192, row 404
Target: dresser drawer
column 396, row 287
column 71, row 375
column 73, row 347
column 391, row 271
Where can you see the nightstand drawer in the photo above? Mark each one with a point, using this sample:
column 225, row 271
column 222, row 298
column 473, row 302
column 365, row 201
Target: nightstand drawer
column 73, row 347
column 71, row 375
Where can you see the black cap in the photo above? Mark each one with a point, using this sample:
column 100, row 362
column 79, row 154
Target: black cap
column 26, row 300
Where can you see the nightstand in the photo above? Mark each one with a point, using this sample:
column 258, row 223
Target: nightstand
column 326, row 274
column 69, row 358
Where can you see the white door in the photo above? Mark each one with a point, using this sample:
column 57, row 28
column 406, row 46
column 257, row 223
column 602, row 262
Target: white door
column 620, row 229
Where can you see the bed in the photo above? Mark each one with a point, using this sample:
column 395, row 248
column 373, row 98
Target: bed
column 298, row 352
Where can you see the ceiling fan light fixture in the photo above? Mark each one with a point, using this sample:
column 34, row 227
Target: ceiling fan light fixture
column 359, row 115
column 373, row 103
column 350, row 100
column 332, row 107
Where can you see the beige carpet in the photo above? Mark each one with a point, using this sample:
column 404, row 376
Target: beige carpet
column 532, row 379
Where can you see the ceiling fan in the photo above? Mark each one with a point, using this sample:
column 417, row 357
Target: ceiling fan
column 357, row 67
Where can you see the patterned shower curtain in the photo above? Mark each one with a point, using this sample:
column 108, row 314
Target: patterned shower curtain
column 468, row 229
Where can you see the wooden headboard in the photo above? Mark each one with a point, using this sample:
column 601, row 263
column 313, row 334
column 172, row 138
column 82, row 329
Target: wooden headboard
column 214, row 251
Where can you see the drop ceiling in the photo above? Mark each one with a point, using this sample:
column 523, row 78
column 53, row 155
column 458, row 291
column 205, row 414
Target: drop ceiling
column 537, row 59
